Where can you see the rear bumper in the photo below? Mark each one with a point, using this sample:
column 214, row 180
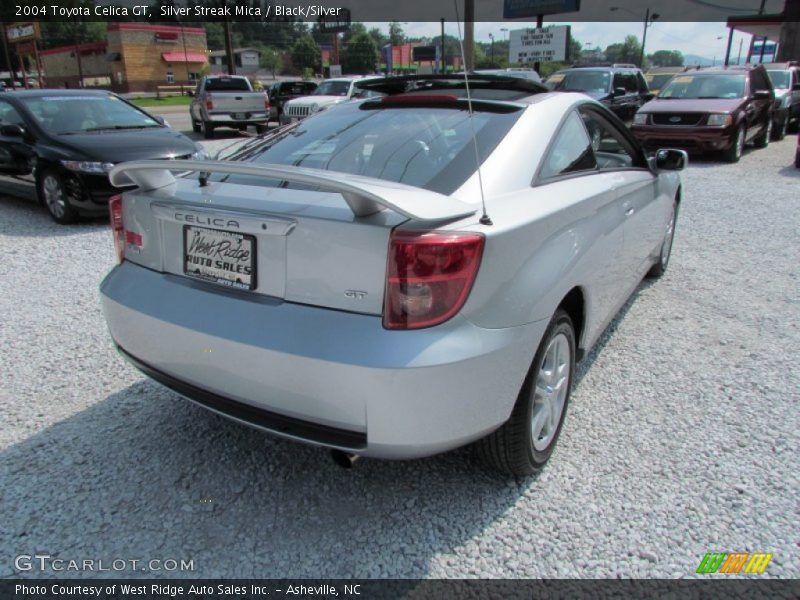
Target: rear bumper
column 706, row 139
column 228, row 119
column 315, row 375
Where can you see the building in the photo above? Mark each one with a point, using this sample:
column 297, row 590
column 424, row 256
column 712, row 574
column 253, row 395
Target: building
column 246, row 61
column 134, row 58
column 782, row 28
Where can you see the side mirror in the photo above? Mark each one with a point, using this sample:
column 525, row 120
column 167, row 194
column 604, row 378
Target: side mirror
column 670, row 159
column 12, row 130
column 762, row 95
column 160, row 119
column 620, row 91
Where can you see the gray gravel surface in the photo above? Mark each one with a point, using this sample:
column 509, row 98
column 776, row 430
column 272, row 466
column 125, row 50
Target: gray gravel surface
column 682, row 436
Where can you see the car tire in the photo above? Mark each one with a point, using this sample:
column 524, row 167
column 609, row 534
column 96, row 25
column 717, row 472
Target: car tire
column 779, row 130
column 734, row 153
column 53, row 195
column 207, row 129
column 195, row 126
column 520, row 446
column 261, row 129
column 660, row 267
column 762, row 141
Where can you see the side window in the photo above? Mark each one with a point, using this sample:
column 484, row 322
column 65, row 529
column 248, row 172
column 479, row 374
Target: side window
column 611, row 149
column 618, row 82
column 570, row 152
column 642, row 83
column 757, row 81
column 9, row 115
column 629, row 83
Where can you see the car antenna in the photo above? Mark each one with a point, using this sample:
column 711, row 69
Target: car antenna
column 484, row 220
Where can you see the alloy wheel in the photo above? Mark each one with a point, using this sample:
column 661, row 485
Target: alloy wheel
column 550, row 392
column 54, row 196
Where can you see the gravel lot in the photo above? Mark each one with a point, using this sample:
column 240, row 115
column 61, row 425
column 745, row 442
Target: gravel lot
column 682, row 437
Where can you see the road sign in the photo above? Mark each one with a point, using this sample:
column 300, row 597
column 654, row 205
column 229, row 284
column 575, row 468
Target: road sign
column 22, row 32
column 544, row 44
column 518, row 9
column 424, row 53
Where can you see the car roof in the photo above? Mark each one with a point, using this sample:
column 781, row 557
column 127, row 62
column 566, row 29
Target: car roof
column 614, row 68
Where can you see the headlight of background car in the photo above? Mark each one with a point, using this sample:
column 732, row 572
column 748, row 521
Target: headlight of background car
column 199, row 153
column 640, row 119
column 717, row 120
column 80, row 166
column 314, row 108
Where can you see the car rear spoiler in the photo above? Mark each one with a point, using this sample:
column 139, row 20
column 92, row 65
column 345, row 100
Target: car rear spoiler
column 364, row 195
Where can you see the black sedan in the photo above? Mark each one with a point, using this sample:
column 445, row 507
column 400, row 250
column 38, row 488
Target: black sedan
column 64, row 142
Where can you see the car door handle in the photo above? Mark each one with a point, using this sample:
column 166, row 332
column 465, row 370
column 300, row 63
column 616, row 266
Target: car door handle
column 630, row 211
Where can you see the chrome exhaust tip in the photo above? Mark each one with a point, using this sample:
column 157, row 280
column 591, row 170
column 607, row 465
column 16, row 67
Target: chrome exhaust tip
column 346, row 460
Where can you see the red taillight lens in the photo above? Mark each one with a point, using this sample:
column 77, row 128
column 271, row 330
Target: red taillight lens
column 122, row 236
column 266, row 101
column 429, row 277
column 117, row 226
column 209, row 102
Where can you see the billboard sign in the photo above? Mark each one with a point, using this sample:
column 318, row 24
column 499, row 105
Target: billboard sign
column 21, row 32
column 520, row 9
column 544, row 44
column 335, row 24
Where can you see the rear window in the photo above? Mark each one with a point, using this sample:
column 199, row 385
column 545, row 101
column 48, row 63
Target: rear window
column 332, row 88
column 657, row 81
column 227, row 84
column 424, row 147
column 780, row 79
column 581, row 81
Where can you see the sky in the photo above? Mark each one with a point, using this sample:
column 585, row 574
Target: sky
column 704, row 39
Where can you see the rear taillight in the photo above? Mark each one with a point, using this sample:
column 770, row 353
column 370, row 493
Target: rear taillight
column 266, row 101
column 117, row 227
column 428, row 277
column 122, row 236
column 209, row 102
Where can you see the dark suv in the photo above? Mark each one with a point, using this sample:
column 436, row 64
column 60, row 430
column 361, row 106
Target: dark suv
column 622, row 88
column 283, row 91
column 710, row 109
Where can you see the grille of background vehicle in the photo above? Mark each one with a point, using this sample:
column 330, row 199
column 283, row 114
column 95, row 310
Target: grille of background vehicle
column 297, row 111
column 682, row 119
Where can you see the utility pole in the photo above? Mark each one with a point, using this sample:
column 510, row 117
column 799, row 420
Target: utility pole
column 229, row 46
column 539, row 23
column 469, row 35
column 442, row 61
column 491, row 37
column 644, row 37
column 8, row 56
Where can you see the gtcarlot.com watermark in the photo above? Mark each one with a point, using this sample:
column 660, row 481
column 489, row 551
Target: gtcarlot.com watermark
column 48, row 563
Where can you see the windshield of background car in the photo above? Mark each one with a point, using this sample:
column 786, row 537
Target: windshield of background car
column 227, row 84
column 705, row 85
column 656, row 82
column 425, row 147
column 582, row 81
column 77, row 114
column 780, row 79
column 332, row 88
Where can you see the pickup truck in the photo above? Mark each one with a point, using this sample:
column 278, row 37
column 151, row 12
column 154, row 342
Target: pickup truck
column 227, row 101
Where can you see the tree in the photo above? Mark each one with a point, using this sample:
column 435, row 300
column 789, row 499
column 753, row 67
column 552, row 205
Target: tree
column 360, row 54
column 67, row 33
column 666, row 58
column 575, row 48
column 396, row 35
column 354, row 30
column 270, row 60
column 306, row 54
column 378, row 37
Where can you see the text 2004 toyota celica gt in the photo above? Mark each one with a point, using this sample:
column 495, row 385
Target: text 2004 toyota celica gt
column 339, row 283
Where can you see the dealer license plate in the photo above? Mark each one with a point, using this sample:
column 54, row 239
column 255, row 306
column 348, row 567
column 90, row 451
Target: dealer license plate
column 223, row 257
column 240, row 116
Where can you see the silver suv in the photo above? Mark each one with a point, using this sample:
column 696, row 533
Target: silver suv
column 785, row 79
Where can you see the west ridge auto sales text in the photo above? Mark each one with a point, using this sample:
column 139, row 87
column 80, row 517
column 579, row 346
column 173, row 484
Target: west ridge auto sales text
column 171, row 590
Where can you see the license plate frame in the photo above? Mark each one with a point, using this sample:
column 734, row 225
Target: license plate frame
column 239, row 116
column 217, row 276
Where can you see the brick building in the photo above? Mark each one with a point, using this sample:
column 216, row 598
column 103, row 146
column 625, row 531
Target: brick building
column 134, row 58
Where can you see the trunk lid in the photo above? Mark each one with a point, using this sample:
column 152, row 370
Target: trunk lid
column 233, row 102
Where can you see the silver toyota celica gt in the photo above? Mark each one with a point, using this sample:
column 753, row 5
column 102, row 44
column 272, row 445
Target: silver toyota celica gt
column 339, row 282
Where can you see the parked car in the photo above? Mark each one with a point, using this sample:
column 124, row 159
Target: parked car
column 715, row 109
column 622, row 89
column 59, row 145
column 227, row 101
column 327, row 94
column 797, row 154
column 785, row 78
column 347, row 288
column 281, row 92
column 658, row 77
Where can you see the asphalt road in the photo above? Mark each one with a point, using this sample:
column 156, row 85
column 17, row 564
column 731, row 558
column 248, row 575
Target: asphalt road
column 682, row 436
